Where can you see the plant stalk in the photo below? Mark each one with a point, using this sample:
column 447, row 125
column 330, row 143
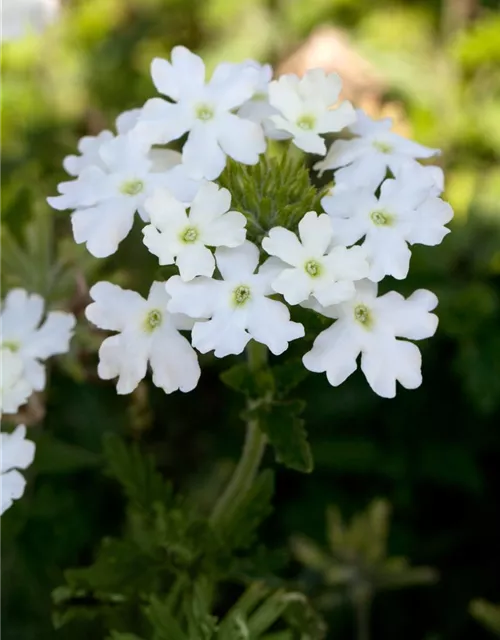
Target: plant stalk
column 253, row 450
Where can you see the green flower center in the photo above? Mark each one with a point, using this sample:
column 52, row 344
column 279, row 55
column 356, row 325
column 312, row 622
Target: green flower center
column 260, row 96
column 313, row 268
column 132, row 187
column 383, row 147
column 12, row 345
column 204, row 112
column 153, row 320
column 189, row 235
column 306, row 122
column 381, row 218
column 362, row 315
column 241, row 294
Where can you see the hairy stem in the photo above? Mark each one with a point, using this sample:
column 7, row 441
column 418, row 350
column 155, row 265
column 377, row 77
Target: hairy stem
column 253, row 450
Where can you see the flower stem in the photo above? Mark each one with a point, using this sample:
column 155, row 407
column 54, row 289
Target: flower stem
column 253, row 450
column 362, row 605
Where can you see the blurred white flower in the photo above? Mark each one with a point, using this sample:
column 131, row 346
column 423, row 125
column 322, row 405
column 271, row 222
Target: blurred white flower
column 14, row 389
column 375, row 149
column 406, row 212
column 147, row 333
column 174, row 236
column 238, row 307
column 311, row 265
column 105, row 198
column 20, row 18
column 305, row 106
column 16, row 453
column 203, row 110
column 32, row 340
column 370, row 326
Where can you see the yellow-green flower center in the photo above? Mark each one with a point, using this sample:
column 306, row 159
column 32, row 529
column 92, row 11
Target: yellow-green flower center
column 204, row 112
column 381, row 218
column 306, row 122
column 241, row 294
column 153, row 320
column 363, row 315
column 11, row 345
column 313, row 268
column 132, row 187
column 383, row 147
column 189, row 235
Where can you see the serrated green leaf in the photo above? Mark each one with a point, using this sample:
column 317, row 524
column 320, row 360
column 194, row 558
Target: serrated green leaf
column 253, row 384
column 281, row 423
column 289, row 375
column 165, row 626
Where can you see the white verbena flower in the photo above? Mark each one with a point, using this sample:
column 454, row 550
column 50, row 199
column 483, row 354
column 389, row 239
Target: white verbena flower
column 238, row 307
column 89, row 146
column 32, row 341
column 305, row 107
column 370, row 325
column 106, row 199
column 174, row 236
column 147, row 333
column 203, row 110
column 375, row 149
column 14, row 388
column 20, row 18
column 316, row 267
column 16, row 453
column 406, row 212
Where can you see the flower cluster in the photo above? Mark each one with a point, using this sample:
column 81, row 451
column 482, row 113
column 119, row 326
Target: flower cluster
column 234, row 285
column 26, row 342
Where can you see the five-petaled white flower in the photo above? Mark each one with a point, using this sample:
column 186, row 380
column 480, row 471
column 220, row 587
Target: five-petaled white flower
column 316, row 267
column 305, row 107
column 238, row 307
column 14, row 388
column 203, row 110
column 147, row 332
column 406, row 212
column 107, row 197
column 370, row 325
column 367, row 157
column 16, row 453
column 33, row 341
column 174, row 236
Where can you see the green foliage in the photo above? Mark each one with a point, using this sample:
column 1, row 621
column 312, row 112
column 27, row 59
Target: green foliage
column 487, row 614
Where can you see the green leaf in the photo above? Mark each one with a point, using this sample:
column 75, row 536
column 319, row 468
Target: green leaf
column 302, row 618
column 289, row 375
column 56, row 456
column 281, row 423
column 137, row 474
column 165, row 626
column 117, row 635
column 253, row 384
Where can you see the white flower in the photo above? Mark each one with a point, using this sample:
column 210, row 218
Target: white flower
column 106, row 199
column 203, row 110
column 317, row 268
column 238, row 306
column 406, row 212
column 174, row 236
column 14, row 389
column 16, row 453
column 31, row 340
column 20, row 18
column 89, row 146
column 147, row 332
column 305, row 106
column 367, row 157
column 370, row 326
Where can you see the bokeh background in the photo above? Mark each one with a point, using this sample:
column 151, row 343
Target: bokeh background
column 432, row 454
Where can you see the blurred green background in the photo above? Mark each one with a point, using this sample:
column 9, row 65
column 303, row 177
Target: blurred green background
column 433, row 454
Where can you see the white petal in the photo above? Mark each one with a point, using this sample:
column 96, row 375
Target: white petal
column 201, row 154
column 387, row 361
column 13, row 485
column 337, row 119
column 14, row 388
column 241, row 139
column 231, row 90
column 334, row 351
column 237, row 263
column 113, row 307
column 165, row 211
column 227, row 231
column 225, row 334
column 197, row 298
column 315, row 233
column 173, row 361
column 34, row 373
column 285, row 245
column 195, row 260
column 161, row 121
column 409, row 147
column 365, row 125
column 388, row 255
column 269, row 323
column 284, row 96
column 21, row 313
column 317, row 84
column 294, row 285
column 341, row 153
column 53, row 337
column 104, row 226
column 335, row 292
column 209, row 203
column 310, row 143
column 164, row 159
column 124, row 356
column 189, row 72
column 428, row 222
column 409, row 318
column 157, row 244
column 367, row 172
column 127, row 120
column 17, row 451
column 347, row 264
